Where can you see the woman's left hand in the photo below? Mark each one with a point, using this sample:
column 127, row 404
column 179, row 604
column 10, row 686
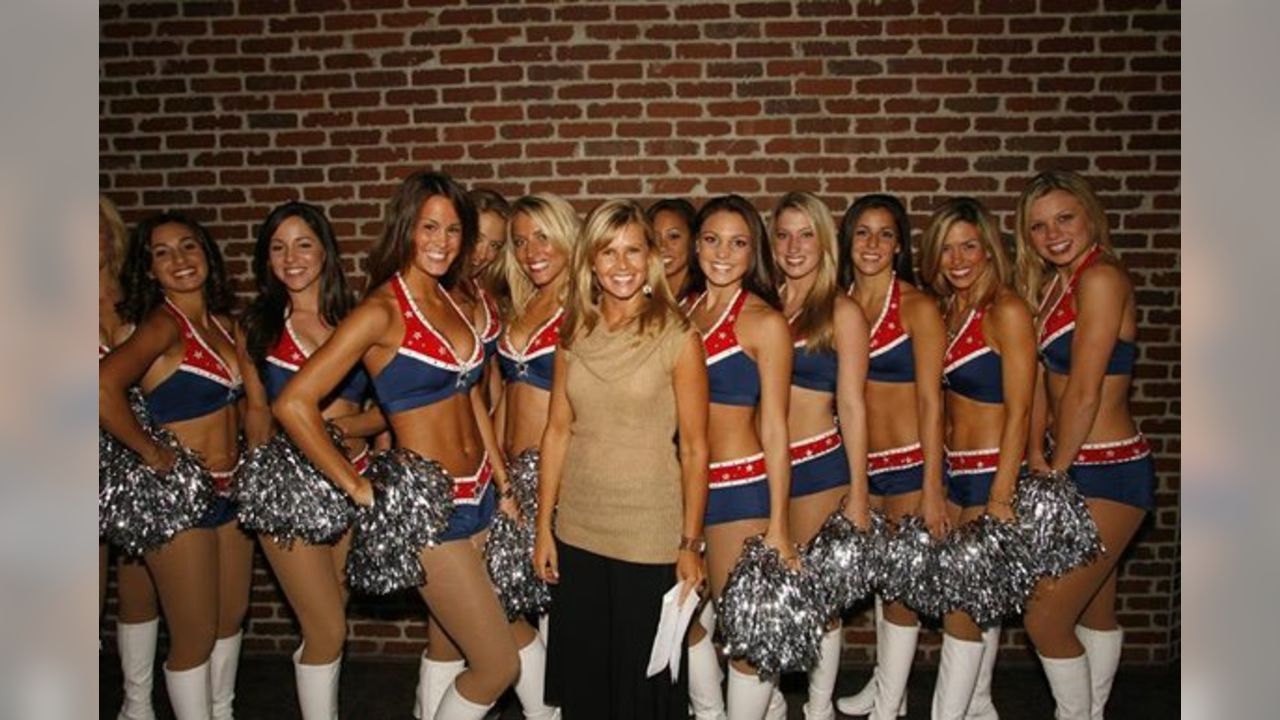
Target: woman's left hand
column 780, row 540
column 689, row 572
column 1002, row 511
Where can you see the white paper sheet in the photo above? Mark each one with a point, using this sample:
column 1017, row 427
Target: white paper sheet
column 669, row 639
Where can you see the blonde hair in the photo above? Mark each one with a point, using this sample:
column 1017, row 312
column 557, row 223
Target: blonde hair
column 816, row 320
column 964, row 210
column 558, row 220
column 602, row 226
column 109, row 220
column 1029, row 266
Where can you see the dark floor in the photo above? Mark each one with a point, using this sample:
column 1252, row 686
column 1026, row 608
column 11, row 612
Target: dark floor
column 384, row 689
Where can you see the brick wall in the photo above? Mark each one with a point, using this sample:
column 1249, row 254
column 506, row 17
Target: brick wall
column 226, row 109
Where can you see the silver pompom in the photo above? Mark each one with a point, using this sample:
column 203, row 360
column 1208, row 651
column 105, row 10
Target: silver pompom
column 139, row 509
column 912, row 571
column 282, row 494
column 990, row 567
column 508, row 551
column 845, row 560
column 412, row 502
column 771, row 615
column 1059, row 530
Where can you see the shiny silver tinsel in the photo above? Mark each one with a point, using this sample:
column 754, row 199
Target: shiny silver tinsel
column 912, row 571
column 508, row 551
column 990, row 567
column 110, row 449
column 282, row 494
column 845, row 560
column 412, row 502
column 1056, row 522
column 771, row 615
column 140, row 510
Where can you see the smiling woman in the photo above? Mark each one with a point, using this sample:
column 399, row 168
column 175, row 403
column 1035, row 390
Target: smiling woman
column 629, row 520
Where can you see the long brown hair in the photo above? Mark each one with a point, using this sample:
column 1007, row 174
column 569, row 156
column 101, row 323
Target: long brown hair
column 394, row 250
column 583, row 305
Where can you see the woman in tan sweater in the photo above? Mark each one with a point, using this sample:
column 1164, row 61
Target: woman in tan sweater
column 628, row 502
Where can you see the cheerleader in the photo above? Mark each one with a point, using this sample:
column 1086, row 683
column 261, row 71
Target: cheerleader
column 542, row 230
column 424, row 358
column 484, row 296
column 183, row 357
column 137, row 617
column 672, row 220
column 829, row 372
column 748, row 350
column 302, row 296
column 1087, row 321
column 904, row 415
column 989, row 374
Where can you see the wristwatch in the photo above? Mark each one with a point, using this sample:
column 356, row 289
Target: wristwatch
column 698, row 545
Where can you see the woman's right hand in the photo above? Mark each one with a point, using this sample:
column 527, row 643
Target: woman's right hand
column 161, row 459
column 546, row 562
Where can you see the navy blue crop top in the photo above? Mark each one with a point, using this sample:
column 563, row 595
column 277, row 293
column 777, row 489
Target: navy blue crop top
column 534, row 364
column 203, row 384
column 971, row 367
column 1059, row 325
column 732, row 375
column 285, row 359
column 426, row 368
column 813, row 370
column 892, row 359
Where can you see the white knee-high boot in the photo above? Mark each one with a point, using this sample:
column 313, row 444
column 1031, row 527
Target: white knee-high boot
column 189, row 692
column 777, row 705
column 893, row 668
column 863, row 701
column 822, row 678
column 455, row 707
column 223, row 663
column 957, row 672
column 748, row 695
column 1103, row 648
column 434, row 678
column 137, row 644
column 1069, row 681
column 317, row 687
column 705, row 695
column 529, row 686
column 981, row 707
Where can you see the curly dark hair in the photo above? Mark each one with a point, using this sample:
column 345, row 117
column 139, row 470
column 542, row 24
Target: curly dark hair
column 264, row 318
column 141, row 291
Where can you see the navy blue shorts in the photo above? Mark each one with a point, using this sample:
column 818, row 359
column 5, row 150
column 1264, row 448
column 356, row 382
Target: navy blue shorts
column 970, row 489
column 220, row 513
column 1132, row 482
column 897, row 482
column 818, row 464
column 739, row 490
column 469, row 519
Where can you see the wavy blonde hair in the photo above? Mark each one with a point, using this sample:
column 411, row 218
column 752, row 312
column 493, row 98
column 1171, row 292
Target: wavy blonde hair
column 999, row 270
column 603, row 224
column 110, row 222
column 558, row 220
column 1029, row 266
column 816, row 321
